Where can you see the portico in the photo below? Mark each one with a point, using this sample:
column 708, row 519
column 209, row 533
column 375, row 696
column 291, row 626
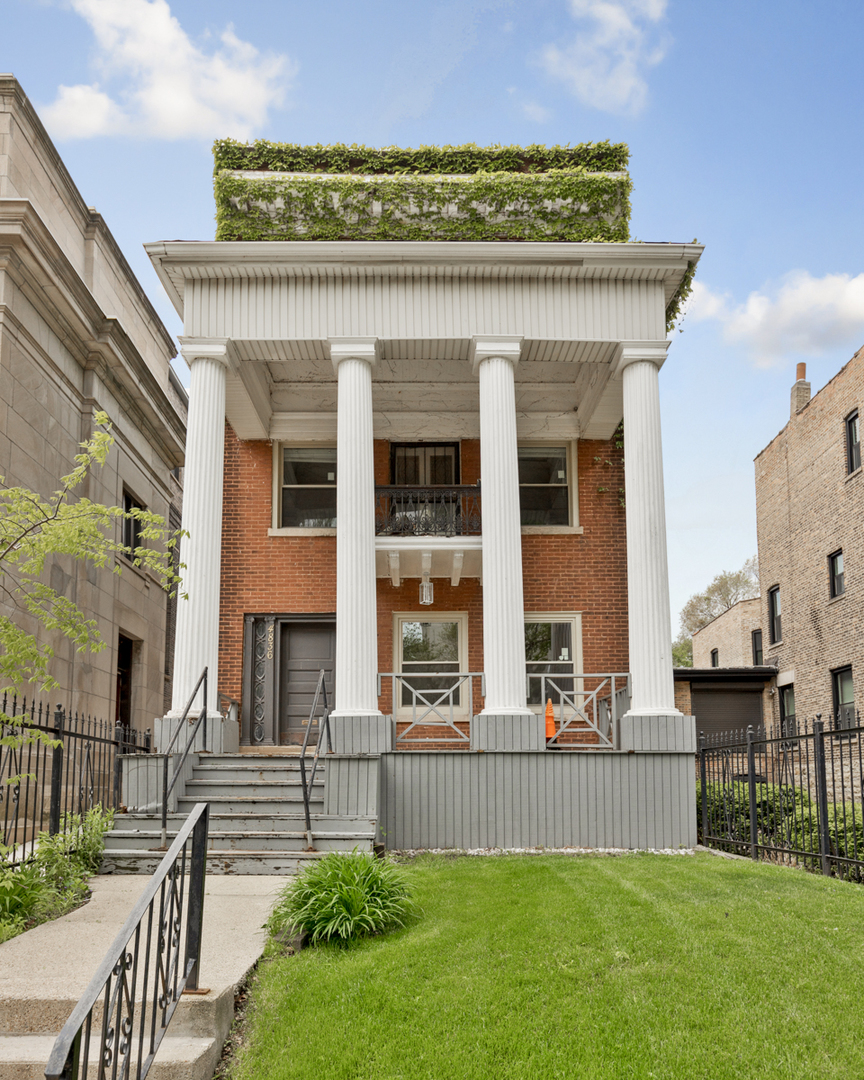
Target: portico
column 320, row 342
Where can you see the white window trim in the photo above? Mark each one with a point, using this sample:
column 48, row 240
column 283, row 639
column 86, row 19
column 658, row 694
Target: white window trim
column 575, row 620
column 573, row 528
column 461, row 617
column 276, row 490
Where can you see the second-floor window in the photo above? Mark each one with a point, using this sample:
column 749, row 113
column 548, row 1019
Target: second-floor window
column 308, row 487
column 853, row 442
column 756, row 638
column 837, row 574
column 543, row 485
column 775, row 632
column 131, row 526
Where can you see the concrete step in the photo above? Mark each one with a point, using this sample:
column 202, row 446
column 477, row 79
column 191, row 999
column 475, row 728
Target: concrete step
column 265, row 840
column 242, row 804
column 203, row 790
column 180, row 1057
column 250, row 822
column 133, row 861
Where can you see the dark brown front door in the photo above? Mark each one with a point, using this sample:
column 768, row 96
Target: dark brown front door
column 305, row 649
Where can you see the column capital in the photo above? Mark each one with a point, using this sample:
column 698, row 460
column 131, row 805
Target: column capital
column 486, row 346
column 207, row 348
column 354, row 348
column 629, row 352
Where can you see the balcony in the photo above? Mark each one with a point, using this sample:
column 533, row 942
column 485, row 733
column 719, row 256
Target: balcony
column 427, row 511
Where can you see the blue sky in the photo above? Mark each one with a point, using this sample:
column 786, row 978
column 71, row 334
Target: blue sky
column 743, row 121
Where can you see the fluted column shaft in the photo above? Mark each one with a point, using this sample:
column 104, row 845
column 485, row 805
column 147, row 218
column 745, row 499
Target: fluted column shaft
column 652, row 687
column 503, row 606
column 356, row 595
column 197, row 637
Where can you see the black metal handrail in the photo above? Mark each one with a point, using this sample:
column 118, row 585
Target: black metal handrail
column 168, row 787
column 323, row 727
column 131, row 1017
column 451, row 510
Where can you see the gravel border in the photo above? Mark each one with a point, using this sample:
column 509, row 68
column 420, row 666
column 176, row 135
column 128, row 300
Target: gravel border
column 410, row 853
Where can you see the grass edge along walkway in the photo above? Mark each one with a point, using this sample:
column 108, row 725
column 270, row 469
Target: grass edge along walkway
column 560, row 966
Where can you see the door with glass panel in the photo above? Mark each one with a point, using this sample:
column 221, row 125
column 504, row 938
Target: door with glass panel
column 428, row 473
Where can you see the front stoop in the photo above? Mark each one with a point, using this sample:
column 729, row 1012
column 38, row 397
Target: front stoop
column 44, row 972
column 257, row 823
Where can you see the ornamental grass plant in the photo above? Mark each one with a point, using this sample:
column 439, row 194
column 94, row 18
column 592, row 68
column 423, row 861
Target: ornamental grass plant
column 345, row 895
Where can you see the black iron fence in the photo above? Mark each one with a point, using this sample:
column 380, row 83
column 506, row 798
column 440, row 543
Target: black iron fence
column 116, row 1028
column 42, row 785
column 791, row 797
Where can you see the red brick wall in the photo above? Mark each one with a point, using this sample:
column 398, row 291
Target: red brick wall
column 563, row 572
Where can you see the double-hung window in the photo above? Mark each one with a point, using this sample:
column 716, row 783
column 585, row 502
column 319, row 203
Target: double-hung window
column 844, row 697
column 308, row 487
column 775, row 627
column 430, row 653
column 756, row 640
column 544, row 490
column 853, row 442
column 553, row 652
column 836, row 574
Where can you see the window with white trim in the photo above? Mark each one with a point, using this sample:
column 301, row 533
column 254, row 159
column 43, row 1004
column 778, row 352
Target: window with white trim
column 307, row 487
column 545, row 482
column 553, row 655
column 427, row 649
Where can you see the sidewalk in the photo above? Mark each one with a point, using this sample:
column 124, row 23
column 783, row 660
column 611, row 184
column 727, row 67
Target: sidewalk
column 44, row 972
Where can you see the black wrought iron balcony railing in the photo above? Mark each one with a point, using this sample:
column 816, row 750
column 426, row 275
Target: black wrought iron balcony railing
column 427, row 511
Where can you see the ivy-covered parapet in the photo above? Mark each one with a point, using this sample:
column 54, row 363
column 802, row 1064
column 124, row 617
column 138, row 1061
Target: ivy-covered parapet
column 277, row 191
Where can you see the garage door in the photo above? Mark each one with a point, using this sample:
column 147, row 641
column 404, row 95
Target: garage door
column 719, row 711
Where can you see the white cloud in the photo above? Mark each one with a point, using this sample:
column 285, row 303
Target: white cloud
column 535, row 112
column 605, row 65
column 805, row 316
column 167, row 86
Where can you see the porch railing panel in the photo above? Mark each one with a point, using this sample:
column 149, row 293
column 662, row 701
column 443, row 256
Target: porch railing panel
column 432, row 704
column 427, row 511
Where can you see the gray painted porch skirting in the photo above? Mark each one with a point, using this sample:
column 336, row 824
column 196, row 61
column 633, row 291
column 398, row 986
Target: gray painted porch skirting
column 439, row 799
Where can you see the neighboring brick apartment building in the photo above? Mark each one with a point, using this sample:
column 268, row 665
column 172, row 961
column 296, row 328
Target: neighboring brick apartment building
column 810, row 521
column 733, row 639
column 78, row 334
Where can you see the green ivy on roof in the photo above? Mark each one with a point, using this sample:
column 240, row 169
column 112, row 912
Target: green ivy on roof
column 264, row 156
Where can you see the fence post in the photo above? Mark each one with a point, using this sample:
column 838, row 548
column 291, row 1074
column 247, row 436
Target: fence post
column 751, row 794
column 822, row 795
column 56, row 775
column 197, row 879
column 118, row 750
column 703, row 779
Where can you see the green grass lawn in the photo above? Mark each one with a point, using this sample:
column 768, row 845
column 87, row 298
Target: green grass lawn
column 558, row 966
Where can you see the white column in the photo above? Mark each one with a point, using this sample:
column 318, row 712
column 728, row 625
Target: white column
column 356, row 595
column 197, row 637
column 652, row 688
column 494, row 360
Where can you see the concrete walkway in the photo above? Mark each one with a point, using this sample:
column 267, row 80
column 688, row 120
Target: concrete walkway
column 44, row 972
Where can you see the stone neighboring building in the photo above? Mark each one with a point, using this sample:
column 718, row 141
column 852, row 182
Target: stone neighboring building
column 733, row 639
column 78, row 334
column 810, row 522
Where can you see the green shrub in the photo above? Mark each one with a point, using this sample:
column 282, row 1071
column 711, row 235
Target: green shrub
column 783, row 814
column 345, row 895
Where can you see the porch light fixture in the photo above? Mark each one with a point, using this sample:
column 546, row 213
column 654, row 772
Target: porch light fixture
column 426, row 590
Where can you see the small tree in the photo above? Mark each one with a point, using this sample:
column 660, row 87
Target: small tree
column 32, row 530
column 726, row 589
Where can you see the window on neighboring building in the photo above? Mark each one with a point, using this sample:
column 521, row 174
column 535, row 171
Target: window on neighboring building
column 756, row 638
column 787, row 710
column 715, row 658
column 308, row 484
column 544, row 497
column 131, row 526
column 844, row 697
column 853, row 443
column 836, row 573
column 775, row 626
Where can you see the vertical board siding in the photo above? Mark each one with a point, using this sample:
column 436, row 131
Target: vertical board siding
column 510, row 799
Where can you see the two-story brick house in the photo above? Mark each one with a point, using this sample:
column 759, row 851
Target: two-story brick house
column 405, row 467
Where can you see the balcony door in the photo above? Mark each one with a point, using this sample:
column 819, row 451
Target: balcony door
column 424, row 464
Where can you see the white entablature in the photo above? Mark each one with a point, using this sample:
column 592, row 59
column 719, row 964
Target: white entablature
column 278, row 304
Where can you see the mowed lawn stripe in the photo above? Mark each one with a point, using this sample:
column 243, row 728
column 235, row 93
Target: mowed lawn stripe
column 557, row 966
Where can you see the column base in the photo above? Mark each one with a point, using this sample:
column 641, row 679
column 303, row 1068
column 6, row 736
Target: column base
column 670, row 732
column 366, row 733
column 509, row 732
column 223, row 734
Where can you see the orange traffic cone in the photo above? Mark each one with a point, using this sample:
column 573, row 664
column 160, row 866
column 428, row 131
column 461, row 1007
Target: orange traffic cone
column 551, row 732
